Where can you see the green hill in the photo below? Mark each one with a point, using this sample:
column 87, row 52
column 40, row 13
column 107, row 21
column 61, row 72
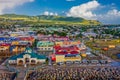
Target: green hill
column 60, row 18
column 43, row 19
column 13, row 15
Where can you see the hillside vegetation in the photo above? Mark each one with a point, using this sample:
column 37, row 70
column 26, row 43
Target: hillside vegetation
column 43, row 19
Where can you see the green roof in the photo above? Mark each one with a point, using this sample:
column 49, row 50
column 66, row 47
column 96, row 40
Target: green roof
column 29, row 52
column 44, row 43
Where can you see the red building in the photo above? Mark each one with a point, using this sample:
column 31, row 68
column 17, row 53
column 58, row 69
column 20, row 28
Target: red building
column 66, row 50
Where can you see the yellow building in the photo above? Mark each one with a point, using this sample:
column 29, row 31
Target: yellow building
column 4, row 47
column 13, row 35
column 111, row 46
column 68, row 57
column 62, row 43
column 15, row 43
column 59, row 43
column 17, row 48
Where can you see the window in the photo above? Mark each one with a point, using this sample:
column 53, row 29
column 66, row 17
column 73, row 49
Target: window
column 27, row 60
column 33, row 61
column 20, row 61
column 49, row 48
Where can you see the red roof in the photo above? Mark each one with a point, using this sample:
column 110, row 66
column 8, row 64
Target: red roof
column 4, row 44
column 26, row 38
column 66, row 52
column 57, row 47
column 74, row 52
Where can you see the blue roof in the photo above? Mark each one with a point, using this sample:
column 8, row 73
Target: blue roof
column 31, row 53
column 2, row 38
column 118, row 55
column 8, row 39
column 14, row 38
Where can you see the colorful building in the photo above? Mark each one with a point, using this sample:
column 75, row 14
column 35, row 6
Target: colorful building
column 70, row 53
column 15, row 44
column 52, row 38
column 68, row 57
column 45, row 46
column 28, row 39
column 27, row 57
column 4, row 47
column 65, row 50
column 68, row 43
column 16, row 34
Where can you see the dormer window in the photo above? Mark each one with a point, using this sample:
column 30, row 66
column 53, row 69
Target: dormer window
column 28, row 50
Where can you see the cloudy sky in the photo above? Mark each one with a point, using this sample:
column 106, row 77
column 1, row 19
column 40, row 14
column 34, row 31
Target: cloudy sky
column 106, row 11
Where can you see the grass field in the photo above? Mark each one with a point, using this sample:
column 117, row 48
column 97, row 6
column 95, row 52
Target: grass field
column 101, row 44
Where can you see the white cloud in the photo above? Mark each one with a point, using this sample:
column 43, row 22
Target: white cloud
column 87, row 11
column 111, row 17
column 84, row 10
column 10, row 4
column 114, row 12
column 50, row 13
column 46, row 13
column 56, row 14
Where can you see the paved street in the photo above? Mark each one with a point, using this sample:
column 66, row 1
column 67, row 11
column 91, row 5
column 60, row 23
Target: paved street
column 21, row 75
column 113, row 62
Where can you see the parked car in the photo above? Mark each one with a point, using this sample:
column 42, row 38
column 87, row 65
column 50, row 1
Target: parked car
column 77, row 62
column 60, row 63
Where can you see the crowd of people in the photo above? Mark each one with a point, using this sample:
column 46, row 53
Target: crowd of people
column 7, row 76
column 73, row 73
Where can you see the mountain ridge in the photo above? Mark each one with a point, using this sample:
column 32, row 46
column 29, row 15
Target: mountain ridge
column 50, row 19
